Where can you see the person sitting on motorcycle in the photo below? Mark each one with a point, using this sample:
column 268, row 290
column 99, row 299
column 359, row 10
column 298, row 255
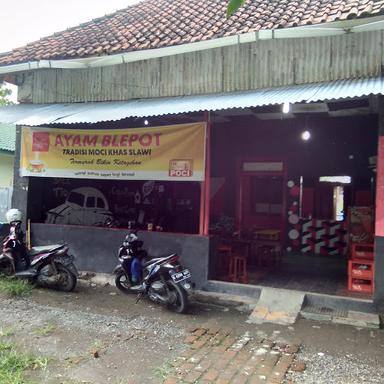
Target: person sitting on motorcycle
column 20, row 258
column 137, row 255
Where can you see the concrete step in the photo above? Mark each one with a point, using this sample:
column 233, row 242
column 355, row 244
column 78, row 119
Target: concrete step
column 285, row 306
column 279, row 306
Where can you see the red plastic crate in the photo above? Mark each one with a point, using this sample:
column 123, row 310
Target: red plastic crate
column 362, row 251
column 360, row 285
column 361, row 269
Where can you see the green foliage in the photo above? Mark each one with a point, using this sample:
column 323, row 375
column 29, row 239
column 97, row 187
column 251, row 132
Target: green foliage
column 6, row 332
column 46, row 329
column 164, row 371
column 233, row 6
column 13, row 364
column 15, row 287
column 4, row 93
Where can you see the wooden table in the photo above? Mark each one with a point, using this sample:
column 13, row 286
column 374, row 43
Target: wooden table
column 267, row 234
column 267, row 239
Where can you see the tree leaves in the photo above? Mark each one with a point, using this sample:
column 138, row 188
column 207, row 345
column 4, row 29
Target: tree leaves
column 4, row 93
column 233, row 6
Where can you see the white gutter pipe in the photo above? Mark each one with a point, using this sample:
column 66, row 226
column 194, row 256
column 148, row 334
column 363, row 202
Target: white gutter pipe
column 330, row 29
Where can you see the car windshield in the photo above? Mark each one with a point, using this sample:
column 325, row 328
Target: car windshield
column 100, row 203
column 76, row 198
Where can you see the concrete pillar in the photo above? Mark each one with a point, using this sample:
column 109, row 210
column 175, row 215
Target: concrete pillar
column 379, row 227
column 20, row 184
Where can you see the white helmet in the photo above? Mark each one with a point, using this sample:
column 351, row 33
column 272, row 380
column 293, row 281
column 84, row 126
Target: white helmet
column 13, row 214
column 131, row 237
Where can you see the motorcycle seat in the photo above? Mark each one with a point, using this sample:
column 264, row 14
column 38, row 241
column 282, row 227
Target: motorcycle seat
column 45, row 248
column 158, row 259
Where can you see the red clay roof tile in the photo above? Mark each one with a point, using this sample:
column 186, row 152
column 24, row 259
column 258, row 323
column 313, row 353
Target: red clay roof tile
column 158, row 23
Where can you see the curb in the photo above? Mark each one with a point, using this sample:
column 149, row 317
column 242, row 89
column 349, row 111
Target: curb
column 243, row 303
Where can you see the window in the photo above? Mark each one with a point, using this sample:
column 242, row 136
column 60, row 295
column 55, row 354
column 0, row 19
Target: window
column 76, row 198
column 266, row 195
column 330, row 197
column 338, row 201
column 91, row 202
column 100, row 203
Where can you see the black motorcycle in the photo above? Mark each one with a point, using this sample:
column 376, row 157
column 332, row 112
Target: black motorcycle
column 48, row 266
column 162, row 279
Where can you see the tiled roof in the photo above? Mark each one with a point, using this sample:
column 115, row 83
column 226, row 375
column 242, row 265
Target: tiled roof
column 161, row 23
column 7, row 137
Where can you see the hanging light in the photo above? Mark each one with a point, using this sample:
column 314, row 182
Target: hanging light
column 306, row 135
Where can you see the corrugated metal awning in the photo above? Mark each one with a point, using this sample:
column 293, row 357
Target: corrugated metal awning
column 95, row 112
column 7, row 137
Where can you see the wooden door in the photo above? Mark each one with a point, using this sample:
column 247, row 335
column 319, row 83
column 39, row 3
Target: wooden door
column 261, row 197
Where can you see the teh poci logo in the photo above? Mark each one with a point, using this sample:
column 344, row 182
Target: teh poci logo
column 40, row 142
column 180, row 168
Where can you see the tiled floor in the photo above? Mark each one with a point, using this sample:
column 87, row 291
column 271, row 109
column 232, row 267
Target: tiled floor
column 305, row 272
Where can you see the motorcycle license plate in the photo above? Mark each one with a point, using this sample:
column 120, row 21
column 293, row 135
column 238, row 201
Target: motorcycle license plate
column 180, row 276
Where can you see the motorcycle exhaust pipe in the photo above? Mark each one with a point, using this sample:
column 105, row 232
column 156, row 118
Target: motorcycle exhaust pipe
column 158, row 298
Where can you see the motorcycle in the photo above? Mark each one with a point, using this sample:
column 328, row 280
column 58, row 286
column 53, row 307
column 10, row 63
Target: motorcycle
column 48, row 266
column 161, row 279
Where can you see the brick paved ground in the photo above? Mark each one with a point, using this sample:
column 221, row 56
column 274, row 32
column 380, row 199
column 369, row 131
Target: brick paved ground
column 216, row 356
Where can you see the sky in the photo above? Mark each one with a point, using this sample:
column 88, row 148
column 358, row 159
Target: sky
column 24, row 21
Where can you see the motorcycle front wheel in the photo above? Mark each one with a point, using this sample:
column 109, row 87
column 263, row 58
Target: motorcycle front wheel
column 67, row 279
column 178, row 299
column 122, row 282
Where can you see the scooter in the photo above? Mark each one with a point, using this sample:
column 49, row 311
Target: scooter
column 162, row 279
column 48, row 266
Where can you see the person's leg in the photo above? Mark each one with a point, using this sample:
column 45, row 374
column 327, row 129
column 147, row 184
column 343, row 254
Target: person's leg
column 136, row 271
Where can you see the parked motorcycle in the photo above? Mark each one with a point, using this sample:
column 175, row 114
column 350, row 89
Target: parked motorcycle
column 162, row 279
column 48, row 266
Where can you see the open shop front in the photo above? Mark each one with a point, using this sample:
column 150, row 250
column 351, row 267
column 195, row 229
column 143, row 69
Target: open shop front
column 290, row 200
column 293, row 197
column 88, row 186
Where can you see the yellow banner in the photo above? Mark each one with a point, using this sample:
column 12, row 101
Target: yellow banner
column 175, row 152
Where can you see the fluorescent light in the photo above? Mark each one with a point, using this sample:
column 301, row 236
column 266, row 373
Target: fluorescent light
column 286, row 107
column 336, row 179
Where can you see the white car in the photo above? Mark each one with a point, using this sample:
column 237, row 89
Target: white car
column 83, row 206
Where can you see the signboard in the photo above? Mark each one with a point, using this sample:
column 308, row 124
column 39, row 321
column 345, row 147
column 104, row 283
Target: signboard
column 174, row 152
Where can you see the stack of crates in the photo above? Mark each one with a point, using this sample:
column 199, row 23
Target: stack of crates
column 361, row 268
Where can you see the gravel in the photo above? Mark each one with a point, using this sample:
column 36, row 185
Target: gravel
column 156, row 331
column 322, row 368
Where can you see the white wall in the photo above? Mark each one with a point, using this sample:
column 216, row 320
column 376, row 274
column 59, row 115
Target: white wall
column 6, row 170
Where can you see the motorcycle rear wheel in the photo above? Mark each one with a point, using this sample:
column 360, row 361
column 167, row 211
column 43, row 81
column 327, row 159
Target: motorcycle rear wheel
column 68, row 280
column 6, row 270
column 123, row 283
column 180, row 305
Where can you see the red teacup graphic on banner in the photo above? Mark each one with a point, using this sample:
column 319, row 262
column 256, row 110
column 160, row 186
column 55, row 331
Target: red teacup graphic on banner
column 180, row 168
column 40, row 142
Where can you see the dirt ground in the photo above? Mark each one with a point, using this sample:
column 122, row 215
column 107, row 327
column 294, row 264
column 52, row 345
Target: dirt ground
column 99, row 335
